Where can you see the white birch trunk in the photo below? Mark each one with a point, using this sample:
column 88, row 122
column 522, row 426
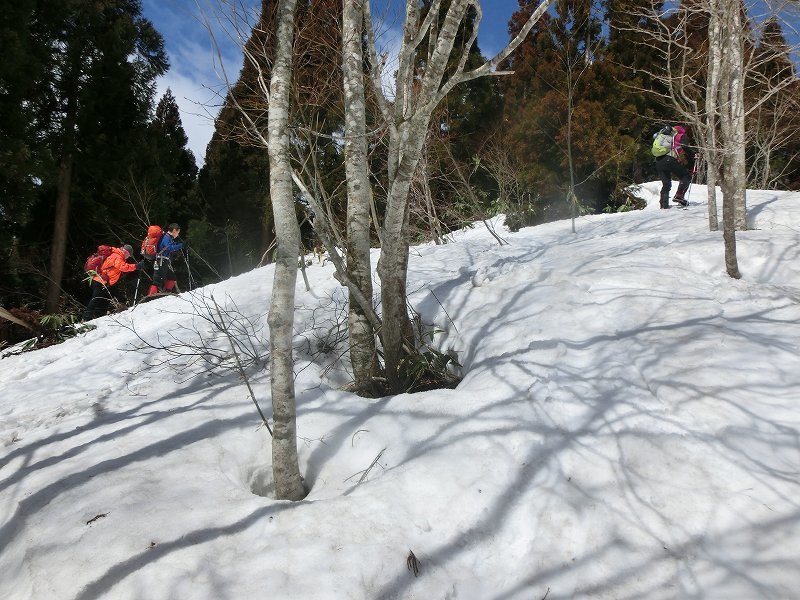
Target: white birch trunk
column 416, row 96
column 710, row 151
column 737, row 132
column 363, row 356
column 730, row 185
column 285, row 467
column 412, row 117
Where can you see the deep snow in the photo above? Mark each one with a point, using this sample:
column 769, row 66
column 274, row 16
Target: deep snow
column 627, row 427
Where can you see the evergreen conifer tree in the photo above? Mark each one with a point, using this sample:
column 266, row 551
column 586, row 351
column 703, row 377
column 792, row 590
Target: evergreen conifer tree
column 178, row 200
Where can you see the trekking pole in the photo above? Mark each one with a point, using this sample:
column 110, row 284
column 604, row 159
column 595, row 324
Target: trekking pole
column 188, row 268
column 141, row 272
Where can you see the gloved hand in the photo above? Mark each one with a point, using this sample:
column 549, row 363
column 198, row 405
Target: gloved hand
column 683, row 159
column 140, row 265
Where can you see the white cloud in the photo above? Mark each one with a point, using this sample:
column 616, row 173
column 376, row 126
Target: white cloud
column 200, row 65
column 199, row 86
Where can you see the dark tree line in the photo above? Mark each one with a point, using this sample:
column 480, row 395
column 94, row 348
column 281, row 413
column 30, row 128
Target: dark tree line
column 88, row 155
column 567, row 132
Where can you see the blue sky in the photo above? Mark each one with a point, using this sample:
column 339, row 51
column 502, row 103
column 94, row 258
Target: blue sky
column 195, row 75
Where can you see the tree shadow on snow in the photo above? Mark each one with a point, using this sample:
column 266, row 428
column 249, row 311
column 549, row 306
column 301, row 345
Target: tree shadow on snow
column 646, row 546
column 106, row 427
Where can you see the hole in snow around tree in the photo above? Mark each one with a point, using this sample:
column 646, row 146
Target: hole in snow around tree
column 261, row 482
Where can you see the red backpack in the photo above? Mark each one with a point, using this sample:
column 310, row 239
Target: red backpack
column 96, row 260
column 150, row 243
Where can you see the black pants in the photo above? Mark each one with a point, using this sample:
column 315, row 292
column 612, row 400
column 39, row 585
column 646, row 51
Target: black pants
column 162, row 272
column 100, row 303
column 667, row 166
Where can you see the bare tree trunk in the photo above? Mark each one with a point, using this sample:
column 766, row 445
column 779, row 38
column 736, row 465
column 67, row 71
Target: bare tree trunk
column 573, row 199
column 323, row 229
column 359, row 192
column 736, row 131
column 732, row 185
column 285, row 467
column 398, row 332
column 417, row 93
column 710, row 152
column 60, row 226
column 711, row 190
column 729, row 221
column 64, row 185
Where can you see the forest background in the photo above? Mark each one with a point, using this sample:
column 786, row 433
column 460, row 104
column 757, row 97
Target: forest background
column 90, row 155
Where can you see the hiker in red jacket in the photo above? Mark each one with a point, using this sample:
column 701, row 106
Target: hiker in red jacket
column 106, row 277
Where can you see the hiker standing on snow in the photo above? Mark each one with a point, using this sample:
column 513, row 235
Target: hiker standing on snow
column 107, row 277
column 673, row 157
column 163, row 273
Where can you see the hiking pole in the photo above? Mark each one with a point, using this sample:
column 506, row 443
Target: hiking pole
column 136, row 292
column 188, row 268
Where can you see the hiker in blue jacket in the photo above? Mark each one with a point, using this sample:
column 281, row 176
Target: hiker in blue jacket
column 163, row 273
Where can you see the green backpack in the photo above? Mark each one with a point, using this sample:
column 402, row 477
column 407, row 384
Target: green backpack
column 662, row 142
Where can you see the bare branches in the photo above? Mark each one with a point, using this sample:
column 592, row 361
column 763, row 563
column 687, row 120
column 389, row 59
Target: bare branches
column 239, row 365
column 199, row 348
column 365, row 473
column 490, row 66
column 322, row 228
column 376, row 69
column 137, row 194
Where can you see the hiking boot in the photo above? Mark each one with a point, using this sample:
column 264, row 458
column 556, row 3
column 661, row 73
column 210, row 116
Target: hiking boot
column 664, row 207
column 680, row 201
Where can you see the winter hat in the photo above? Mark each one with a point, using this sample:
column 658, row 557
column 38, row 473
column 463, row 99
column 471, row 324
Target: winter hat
column 127, row 250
